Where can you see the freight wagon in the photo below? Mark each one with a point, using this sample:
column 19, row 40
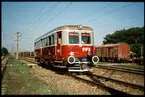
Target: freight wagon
column 113, row 52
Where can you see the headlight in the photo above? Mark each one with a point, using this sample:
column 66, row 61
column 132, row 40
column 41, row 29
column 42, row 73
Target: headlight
column 71, row 59
column 80, row 27
column 71, row 53
column 95, row 59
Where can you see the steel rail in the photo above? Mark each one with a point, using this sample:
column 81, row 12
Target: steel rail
column 117, row 81
column 121, row 69
column 94, row 82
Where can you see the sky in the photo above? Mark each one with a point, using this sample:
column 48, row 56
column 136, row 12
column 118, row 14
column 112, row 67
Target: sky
column 33, row 19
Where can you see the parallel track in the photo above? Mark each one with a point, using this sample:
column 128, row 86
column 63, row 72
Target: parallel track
column 29, row 60
column 135, row 71
column 112, row 91
column 117, row 81
column 94, row 82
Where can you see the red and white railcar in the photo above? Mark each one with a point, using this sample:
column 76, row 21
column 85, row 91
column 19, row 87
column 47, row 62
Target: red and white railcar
column 70, row 46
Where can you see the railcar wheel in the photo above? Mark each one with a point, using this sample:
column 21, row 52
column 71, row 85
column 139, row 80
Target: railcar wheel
column 41, row 61
column 65, row 63
column 51, row 63
column 38, row 61
column 46, row 62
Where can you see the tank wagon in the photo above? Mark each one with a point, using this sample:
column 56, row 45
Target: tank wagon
column 113, row 52
column 68, row 46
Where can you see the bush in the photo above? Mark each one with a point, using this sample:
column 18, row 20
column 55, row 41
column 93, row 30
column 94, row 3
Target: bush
column 4, row 51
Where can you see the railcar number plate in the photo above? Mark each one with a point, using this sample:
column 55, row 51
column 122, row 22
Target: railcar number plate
column 85, row 49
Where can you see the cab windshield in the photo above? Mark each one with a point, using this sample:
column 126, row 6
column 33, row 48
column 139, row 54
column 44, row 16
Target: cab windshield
column 85, row 38
column 73, row 38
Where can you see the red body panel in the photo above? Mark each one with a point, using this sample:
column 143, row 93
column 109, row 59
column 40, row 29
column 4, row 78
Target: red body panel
column 78, row 51
column 47, row 53
column 52, row 53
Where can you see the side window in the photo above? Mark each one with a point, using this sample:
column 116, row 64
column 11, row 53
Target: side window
column 35, row 45
column 49, row 40
column 40, row 43
column 46, row 41
column 52, row 39
column 43, row 42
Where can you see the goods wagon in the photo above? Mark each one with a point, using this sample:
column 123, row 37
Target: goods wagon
column 113, row 52
column 68, row 46
column 26, row 54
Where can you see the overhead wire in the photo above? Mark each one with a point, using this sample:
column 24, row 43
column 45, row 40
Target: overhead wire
column 122, row 21
column 46, row 14
column 112, row 11
column 32, row 20
column 60, row 12
column 57, row 14
column 96, row 11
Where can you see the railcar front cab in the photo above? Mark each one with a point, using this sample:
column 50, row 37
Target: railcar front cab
column 83, row 63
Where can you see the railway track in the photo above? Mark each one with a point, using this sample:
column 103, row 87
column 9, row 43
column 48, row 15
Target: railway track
column 94, row 81
column 128, row 70
column 140, row 87
column 135, row 71
column 3, row 69
column 28, row 59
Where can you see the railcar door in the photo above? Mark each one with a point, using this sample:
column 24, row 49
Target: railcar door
column 58, row 47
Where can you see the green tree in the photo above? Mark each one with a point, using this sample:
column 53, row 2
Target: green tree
column 4, row 51
column 133, row 36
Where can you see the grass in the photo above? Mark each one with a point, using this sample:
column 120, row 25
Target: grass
column 3, row 57
column 21, row 81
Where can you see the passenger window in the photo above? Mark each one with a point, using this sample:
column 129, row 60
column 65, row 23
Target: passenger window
column 49, row 40
column 36, row 45
column 46, row 42
column 42, row 42
column 52, row 39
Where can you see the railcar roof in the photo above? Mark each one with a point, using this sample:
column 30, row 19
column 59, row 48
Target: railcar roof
column 69, row 27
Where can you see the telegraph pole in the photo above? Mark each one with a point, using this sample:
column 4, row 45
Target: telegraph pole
column 17, row 55
column 141, row 52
